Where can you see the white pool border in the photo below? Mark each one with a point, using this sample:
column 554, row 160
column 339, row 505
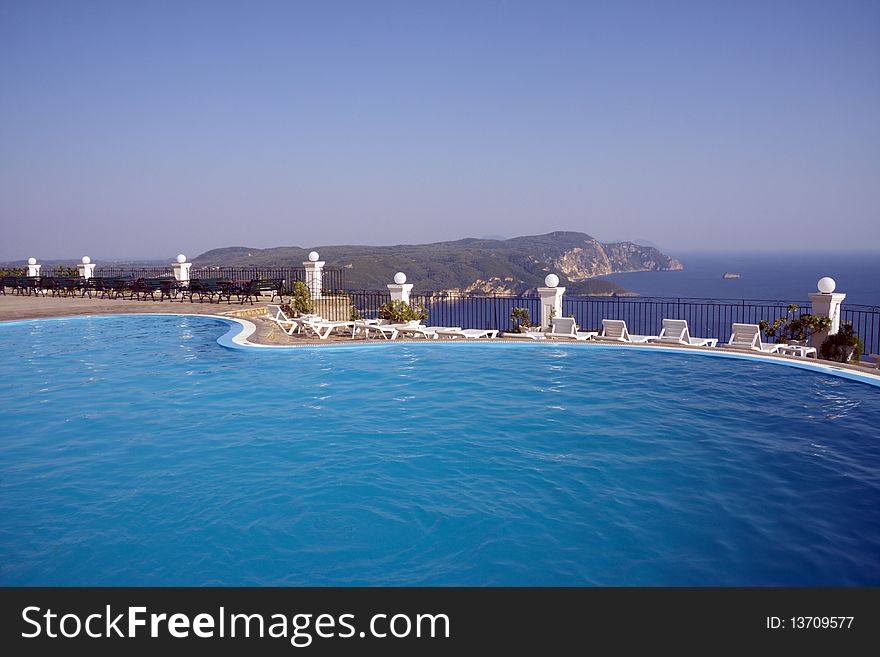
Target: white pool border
column 240, row 330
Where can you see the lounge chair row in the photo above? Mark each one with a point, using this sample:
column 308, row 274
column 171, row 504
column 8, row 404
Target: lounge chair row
column 317, row 326
column 674, row 331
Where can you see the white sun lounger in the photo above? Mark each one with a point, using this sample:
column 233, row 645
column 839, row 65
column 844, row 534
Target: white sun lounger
column 322, row 328
column 275, row 314
column 469, row 334
column 289, row 325
column 386, row 331
column 675, row 331
column 534, row 335
column 426, row 332
column 748, row 337
column 565, row 327
column 615, row 330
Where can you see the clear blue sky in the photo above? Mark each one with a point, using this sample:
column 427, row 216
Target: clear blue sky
column 149, row 128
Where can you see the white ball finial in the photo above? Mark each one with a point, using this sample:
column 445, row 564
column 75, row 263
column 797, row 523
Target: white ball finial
column 826, row 285
column 32, row 261
column 313, row 256
column 552, row 280
column 181, row 258
column 400, row 278
column 86, row 260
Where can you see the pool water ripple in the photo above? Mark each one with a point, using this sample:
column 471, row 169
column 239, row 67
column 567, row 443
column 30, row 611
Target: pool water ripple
column 137, row 451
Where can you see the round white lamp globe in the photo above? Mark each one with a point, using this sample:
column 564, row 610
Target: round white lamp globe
column 181, row 258
column 32, row 261
column 552, row 280
column 86, row 260
column 400, row 278
column 826, row 285
column 313, row 256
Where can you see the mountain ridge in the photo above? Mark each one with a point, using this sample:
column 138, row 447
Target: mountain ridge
column 514, row 265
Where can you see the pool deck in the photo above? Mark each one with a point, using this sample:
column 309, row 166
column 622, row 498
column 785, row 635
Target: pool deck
column 260, row 332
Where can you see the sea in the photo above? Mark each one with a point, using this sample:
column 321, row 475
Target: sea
column 763, row 276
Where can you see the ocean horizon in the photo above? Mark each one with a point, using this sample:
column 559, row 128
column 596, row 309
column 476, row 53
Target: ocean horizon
column 763, row 276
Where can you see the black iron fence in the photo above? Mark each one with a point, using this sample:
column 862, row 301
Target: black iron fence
column 707, row 318
column 333, row 278
column 480, row 311
column 866, row 324
column 133, row 272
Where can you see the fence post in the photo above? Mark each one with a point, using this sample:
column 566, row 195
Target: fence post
column 33, row 268
column 826, row 303
column 400, row 289
column 551, row 300
column 314, row 275
column 86, row 268
column 181, row 269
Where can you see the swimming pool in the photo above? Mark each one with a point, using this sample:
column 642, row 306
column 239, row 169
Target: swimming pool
column 137, row 451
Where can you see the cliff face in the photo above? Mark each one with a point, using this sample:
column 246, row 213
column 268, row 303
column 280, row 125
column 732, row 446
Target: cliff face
column 509, row 266
column 596, row 259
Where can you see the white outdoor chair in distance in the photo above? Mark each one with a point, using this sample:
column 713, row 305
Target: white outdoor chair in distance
column 426, row 332
column 565, row 327
column 615, row 330
column 748, row 337
column 468, row 334
column 675, row 331
column 289, row 325
column 322, row 328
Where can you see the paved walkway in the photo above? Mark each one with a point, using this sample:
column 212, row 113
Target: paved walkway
column 17, row 306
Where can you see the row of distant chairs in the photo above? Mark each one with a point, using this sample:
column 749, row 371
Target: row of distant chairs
column 316, row 326
column 674, row 331
column 142, row 288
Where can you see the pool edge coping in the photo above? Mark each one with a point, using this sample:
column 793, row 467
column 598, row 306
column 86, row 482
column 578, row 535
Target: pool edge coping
column 240, row 330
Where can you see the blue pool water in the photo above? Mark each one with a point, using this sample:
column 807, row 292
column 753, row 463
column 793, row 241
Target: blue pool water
column 137, row 451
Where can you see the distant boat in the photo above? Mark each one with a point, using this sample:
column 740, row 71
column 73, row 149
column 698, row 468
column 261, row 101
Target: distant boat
column 728, row 274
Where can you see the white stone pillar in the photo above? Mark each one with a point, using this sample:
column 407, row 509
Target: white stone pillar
column 86, row 268
column 400, row 289
column 315, row 275
column 826, row 303
column 551, row 300
column 181, row 269
column 33, row 268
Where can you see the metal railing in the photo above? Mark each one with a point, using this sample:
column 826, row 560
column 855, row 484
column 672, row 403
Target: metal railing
column 866, row 324
column 333, row 278
column 707, row 318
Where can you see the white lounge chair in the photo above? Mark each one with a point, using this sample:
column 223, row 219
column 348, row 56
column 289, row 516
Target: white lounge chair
column 534, row 334
column 426, row 332
column 615, row 330
column 322, row 328
column 386, row 331
column 675, row 331
column 469, row 334
column 275, row 314
column 565, row 327
column 748, row 337
column 289, row 325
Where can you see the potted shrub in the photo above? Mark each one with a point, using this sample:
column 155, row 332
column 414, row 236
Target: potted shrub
column 521, row 320
column 843, row 346
column 400, row 312
column 794, row 329
column 301, row 299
